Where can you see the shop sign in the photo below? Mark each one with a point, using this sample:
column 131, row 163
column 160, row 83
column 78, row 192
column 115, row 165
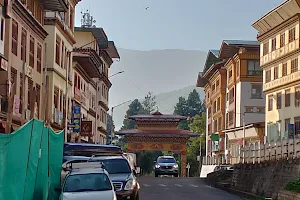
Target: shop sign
column 76, row 118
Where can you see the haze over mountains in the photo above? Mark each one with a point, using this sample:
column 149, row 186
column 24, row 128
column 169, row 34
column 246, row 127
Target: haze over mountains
column 169, row 74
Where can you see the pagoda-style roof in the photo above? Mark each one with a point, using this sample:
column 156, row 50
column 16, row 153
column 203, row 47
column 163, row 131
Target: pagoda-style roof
column 277, row 16
column 157, row 116
column 230, row 47
column 163, row 133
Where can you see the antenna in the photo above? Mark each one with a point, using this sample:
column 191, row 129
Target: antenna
column 87, row 21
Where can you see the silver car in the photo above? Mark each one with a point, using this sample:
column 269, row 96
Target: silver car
column 88, row 184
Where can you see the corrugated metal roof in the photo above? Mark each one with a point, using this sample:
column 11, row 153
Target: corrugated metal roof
column 241, row 42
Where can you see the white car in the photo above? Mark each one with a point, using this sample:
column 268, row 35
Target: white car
column 88, row 184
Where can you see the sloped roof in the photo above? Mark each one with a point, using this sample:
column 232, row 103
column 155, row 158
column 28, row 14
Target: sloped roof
column 230, row 47
column 176, row 133
column 277, row 16
column 211, row 59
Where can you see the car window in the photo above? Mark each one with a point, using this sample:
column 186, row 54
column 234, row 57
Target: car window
column 87, row 182
column 116, row 166
column 166, row 160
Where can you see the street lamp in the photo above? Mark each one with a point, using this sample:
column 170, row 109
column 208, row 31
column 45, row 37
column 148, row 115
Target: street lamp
column 112, row 117
column 116, row 74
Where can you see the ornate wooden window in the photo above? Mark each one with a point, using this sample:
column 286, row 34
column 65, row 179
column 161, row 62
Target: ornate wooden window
column 294, row 65
column 39, row 58
column 282, row 40
column 15, row 31
column 270, row 102
column 284, row 69
column 56, row 97
column 287, row 98
column 292, row 34
column 23, row 45
column 62, row 55
column 278, row 97
column 57, row 50
column 31, row 52
column 30, row 87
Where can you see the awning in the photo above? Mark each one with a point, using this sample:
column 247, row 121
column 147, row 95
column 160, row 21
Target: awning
column 238, row 134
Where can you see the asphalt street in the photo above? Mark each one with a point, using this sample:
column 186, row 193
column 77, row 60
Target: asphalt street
column 168, row 188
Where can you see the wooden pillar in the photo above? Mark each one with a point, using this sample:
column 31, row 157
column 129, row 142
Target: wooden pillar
column 183, row 163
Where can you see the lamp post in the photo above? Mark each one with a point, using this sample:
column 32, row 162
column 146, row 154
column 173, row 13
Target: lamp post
column 112, row 118
column 120, row 72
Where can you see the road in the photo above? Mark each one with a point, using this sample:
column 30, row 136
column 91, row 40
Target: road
column 167, row 188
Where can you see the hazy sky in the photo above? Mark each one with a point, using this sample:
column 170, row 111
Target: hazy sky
column 176, row 24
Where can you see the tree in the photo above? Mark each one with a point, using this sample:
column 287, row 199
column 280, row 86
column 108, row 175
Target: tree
column 149, row 103
column 135, row 108
column 181, row 108
column 194, row 103
column 198, row 125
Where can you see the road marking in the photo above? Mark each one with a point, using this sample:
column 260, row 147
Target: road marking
column 178, row 185
column 162, row 185
column 208, row 186
column 146, row 185
column 195, row 186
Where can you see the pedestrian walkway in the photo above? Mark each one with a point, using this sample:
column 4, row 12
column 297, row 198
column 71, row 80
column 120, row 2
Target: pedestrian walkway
column 177, row 185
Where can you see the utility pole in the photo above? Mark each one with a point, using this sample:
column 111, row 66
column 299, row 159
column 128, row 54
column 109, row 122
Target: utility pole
column 112, row 119
column 24, row 81
column 67, row 96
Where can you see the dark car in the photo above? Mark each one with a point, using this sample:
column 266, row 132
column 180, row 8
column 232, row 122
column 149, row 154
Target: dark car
column 166, row 165
column 122, row 176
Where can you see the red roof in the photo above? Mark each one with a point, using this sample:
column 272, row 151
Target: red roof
column 158, row 115
column 157, row 132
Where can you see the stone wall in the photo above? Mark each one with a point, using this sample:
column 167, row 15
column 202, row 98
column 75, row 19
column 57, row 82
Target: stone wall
column 265, row 179
column 286, row 195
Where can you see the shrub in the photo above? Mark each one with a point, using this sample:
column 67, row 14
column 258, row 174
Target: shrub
column 293, row 186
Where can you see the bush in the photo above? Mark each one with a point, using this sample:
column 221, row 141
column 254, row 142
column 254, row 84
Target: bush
column 293, row 186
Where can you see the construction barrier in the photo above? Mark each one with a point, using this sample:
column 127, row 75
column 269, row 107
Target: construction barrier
column 30, row 162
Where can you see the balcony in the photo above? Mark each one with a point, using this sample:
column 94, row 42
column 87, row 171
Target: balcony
column 52, row 15
column 278, row 53
column 55, row 5
column 282, row 81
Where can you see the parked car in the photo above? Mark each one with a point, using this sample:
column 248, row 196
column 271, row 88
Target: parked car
column 122, row 174
column 89, row 183
column 166, row 165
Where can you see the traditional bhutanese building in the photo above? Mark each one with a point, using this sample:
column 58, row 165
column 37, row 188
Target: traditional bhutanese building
column 278, row 34
column 24, row 48
column 232, row 80
column 93, row 57
column 59, row 47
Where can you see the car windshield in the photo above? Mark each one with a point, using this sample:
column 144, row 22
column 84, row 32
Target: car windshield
column 116, row 166
column 87, row 182
column 166, row 160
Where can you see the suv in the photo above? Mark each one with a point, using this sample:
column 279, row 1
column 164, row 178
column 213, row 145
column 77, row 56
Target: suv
column 166, row 165
column 122, row 176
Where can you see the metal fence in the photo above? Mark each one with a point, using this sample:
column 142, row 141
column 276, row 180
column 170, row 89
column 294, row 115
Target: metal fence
column 287, row 148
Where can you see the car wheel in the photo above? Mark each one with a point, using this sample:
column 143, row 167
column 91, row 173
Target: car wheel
column 175, row 175
column 156, row 175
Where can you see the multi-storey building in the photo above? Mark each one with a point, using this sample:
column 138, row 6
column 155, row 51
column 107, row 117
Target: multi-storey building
column 245, row 101
column 59, row 47
column 232, row 80
column 92, row 60
column 279, row 58
column 213, row 80
column 24, row 48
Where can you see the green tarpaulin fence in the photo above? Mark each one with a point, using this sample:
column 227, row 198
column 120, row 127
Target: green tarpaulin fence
column 30, row 163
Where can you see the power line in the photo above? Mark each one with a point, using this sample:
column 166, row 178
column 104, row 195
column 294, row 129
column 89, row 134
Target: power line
column 146, row 93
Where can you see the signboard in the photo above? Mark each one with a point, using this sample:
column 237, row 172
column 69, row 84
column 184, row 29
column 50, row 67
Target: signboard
column 76, row 118
column 4, row 64
column 86, row 128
